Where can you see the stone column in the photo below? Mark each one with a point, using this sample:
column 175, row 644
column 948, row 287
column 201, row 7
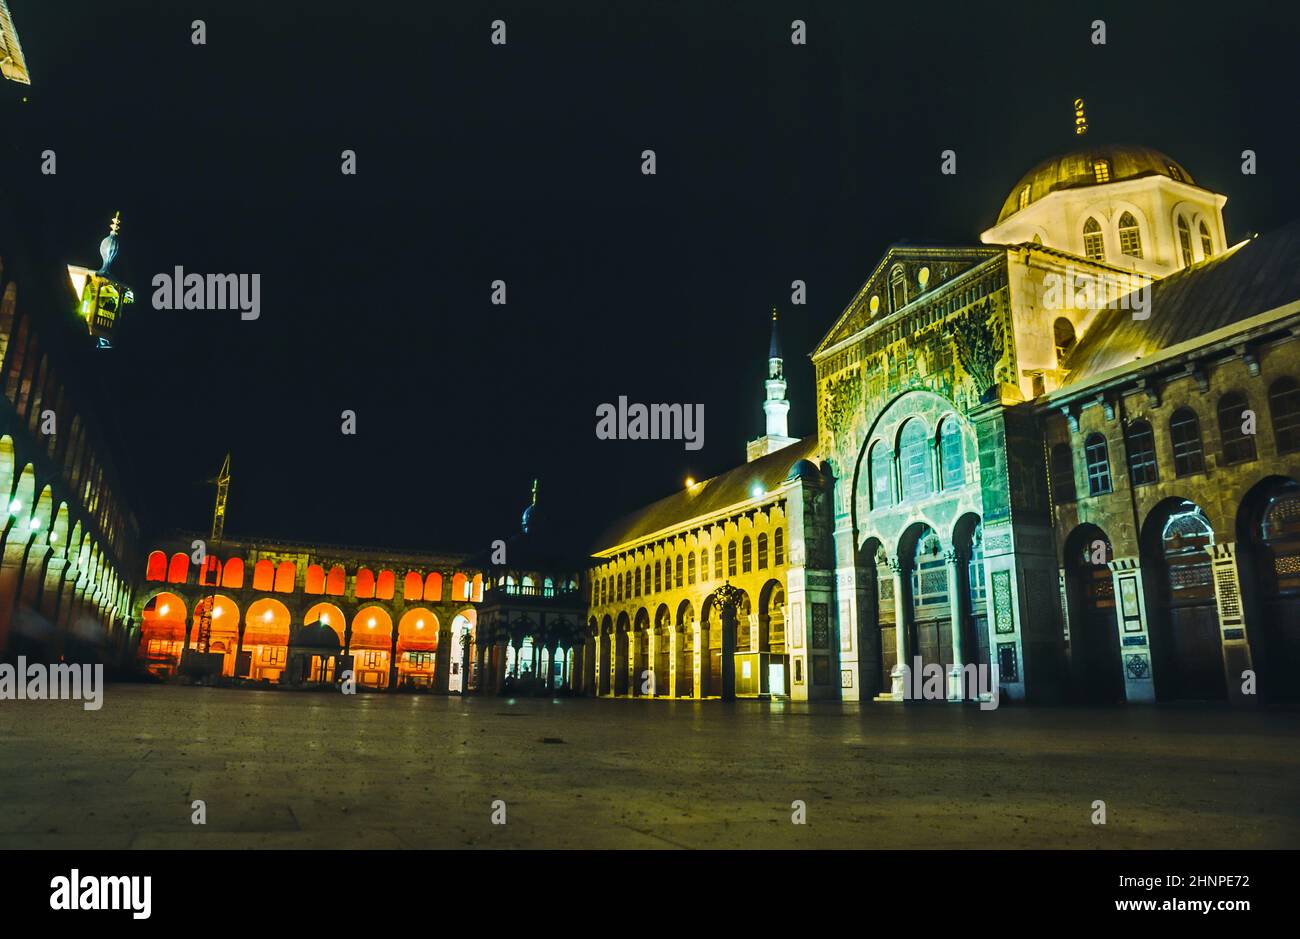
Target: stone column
column 392, row 660
column 443, row 656
column 956, row 687
column 672, row 661
column 1134, row 636
column 1232, row 622
column 652, row 651
column 728, row 600
column 697, row 632
column 902, row 620
column 633, row 682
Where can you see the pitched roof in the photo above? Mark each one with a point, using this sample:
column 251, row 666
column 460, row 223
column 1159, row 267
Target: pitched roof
column 1252, row 278
column 705, row 498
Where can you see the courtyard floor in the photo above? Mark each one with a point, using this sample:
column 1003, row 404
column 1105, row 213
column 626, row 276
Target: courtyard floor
column 321, row 770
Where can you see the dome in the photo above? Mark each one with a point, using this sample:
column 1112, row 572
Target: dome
column 1077, row 169
column 805, row 470
column 318, row 636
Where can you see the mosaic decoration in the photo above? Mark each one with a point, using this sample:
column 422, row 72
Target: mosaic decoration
column 821, row 626
column 1008, row 662
column 1137, row 667
column 1003, row 621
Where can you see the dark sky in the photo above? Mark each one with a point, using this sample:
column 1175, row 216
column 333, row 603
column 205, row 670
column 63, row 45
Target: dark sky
column 522, row 163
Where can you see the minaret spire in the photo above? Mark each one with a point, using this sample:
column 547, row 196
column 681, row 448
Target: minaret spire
column 1080, row 118
column 775, row 406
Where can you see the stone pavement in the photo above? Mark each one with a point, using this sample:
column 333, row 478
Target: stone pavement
column 321, row 770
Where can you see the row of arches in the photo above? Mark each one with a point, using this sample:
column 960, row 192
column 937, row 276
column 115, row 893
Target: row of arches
column 1185, row 443
column 1186, row 649
column 620, row 661
column 1125, row 233
column 255, row 643
column 283, row 577
column 61, row 595
column 740, row 557
column 46, row 411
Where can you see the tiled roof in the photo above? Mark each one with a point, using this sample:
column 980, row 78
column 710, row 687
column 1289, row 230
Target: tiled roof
column 705, row 498
column 1258, row 276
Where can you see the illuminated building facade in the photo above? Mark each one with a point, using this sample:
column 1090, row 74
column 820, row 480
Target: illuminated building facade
column 298, row 614
column 1071, row 452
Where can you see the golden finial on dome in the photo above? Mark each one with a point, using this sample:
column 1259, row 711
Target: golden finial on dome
column 116, row 224
column 1080, row 119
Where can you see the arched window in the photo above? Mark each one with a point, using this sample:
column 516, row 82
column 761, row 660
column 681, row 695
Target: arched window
column 717, row 562
column 1185, row 431
column 914, row 460
column 210, row 572
column 1141, row 453
column 385, row 585
column 690, row 568
column 1207, row 243
column 677, row 567
column 1185, row 240
column 156, row 568
column 1130, row 238
column 1064, row 336
column 898, row 288
column 1023, row 202
column 762, row 552
column 1284, row 408
column 433, row 587
column 778, row 546
column 233, row 575
column 413, row 586
column 636, row 583
column 178, row 571
column 1063, row 492
column 285, row 575
column 604, row 590
column 647, row 579
column 1097, row 459
column 263, row 575
column 315, row 579
column 746, row 555
column 878, row 469
column 365, row 585
column 731, row 559
column 1238, row 446
column 1101, row 170
column 951, row 460
column 659, row 576
column 1094, row 243
column 618, row 583
column 704, row 564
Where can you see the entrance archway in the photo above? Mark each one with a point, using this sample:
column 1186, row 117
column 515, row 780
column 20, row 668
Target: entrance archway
column 1268, row 558
column 266, row 639
column 929, row 630
column 1186, row 649
column 1096, row 669
column 162, row 633
column 685, row 650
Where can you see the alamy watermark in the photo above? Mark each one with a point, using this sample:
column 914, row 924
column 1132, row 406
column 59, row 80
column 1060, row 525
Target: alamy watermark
column 932, row 681
column 62, row 682
column 651, row 422
column 1083, row 290
column 181, row 291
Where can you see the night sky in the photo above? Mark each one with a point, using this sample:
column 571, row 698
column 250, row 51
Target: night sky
column 478, row 162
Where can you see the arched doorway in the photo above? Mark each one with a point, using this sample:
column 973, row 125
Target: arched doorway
column 266, row 639
column 371, row 646
column 971, row 608
column 460, row 679
column 1268, row 539
column 1186, row 649
column 622, row 638
column 685, row 651
column 162, row 634
column 223, row 629
column 771, row 639
column 417, row 648
column 605, row 679
column 1096, row 669
column 929, row 634
column 640, row 652
column 663, row 652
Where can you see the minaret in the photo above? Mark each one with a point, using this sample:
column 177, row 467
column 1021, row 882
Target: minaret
column 103, row 297
column 775, row 406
